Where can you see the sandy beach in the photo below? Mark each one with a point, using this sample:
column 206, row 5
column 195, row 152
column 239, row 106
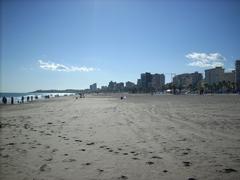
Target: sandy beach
column 143, row 137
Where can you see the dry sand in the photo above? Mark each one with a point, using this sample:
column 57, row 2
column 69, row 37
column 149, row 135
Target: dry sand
column 140, row 138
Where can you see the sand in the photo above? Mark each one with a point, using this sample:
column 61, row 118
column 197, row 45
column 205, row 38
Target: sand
column 140, row 138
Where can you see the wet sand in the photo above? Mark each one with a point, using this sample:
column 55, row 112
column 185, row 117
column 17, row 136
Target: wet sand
column 141, row 138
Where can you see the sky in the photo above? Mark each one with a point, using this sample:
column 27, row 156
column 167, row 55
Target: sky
column 70, row 44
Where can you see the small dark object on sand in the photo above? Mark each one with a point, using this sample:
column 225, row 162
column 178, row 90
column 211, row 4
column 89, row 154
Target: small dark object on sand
column 123, row 177
column 150, row 162
column 45, row 167
column 156, row 157
column 91, row 143
column 229, row 170
column 191, row 179
column 100, row 170
column 186, row 163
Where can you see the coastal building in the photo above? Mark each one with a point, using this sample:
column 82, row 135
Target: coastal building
column 139, row 83
column 229, row 77
column 104, row 88
column 214, row 75
column 186, row 80
column 237, row 75
column 112, row 86
column 93, row 87
column 120, row 86
column 158, row 81
column 146, row 81
column 129, row 85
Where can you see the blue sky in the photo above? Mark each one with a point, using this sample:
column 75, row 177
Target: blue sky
column 64, row 44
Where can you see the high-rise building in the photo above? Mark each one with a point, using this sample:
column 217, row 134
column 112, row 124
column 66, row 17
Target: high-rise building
column 158, row 81
column 129, row 84
column 93, row 87
column 146, row 80
column 120, row 86
column 229, row 77
column 112, row 86
column 186, row 80
column 237, row 75
column 214, row 75
column 139, row 83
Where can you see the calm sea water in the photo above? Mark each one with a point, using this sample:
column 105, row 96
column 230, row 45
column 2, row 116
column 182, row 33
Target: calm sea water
column 18, row 96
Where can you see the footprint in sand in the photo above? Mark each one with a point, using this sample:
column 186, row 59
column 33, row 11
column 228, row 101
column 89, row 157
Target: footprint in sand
column 69, row 160
column 87, row 164
column 91, row 143
column 150, row 163
column 78, row 140
column 100, row 170
column 186, row 163
column 123, row 177
column 54, row 150
column 229, row 170
column 156, row 157
column 45, row 167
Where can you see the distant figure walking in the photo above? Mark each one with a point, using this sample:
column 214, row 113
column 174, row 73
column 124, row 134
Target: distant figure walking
column 28, row 98
column 31, row 98
column 22, row 99
column 12, row 100
column 4, row 100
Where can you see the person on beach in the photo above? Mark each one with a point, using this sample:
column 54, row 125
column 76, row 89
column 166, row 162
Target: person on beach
column 12, row 100
column 31, row 98
column 28, row 99
column 22, row 99
column 4, row 100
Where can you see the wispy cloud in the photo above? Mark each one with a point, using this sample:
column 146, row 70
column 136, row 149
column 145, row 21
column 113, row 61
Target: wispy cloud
column 51, row 66
column 205, row 60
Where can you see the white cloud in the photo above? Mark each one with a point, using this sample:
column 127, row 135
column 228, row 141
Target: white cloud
column 205, row 60
column 51, row 66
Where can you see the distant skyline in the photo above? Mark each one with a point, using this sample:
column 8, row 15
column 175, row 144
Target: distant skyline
column 70, row 44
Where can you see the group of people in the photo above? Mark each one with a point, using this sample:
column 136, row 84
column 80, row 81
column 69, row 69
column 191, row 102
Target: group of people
column 4, row 99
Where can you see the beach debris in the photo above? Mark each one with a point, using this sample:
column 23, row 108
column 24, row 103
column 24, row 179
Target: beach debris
column 165, row 171
column 125, row 153
column 134, row 158
column 191, row 179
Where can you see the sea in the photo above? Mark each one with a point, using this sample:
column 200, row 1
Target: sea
column 32, row 96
